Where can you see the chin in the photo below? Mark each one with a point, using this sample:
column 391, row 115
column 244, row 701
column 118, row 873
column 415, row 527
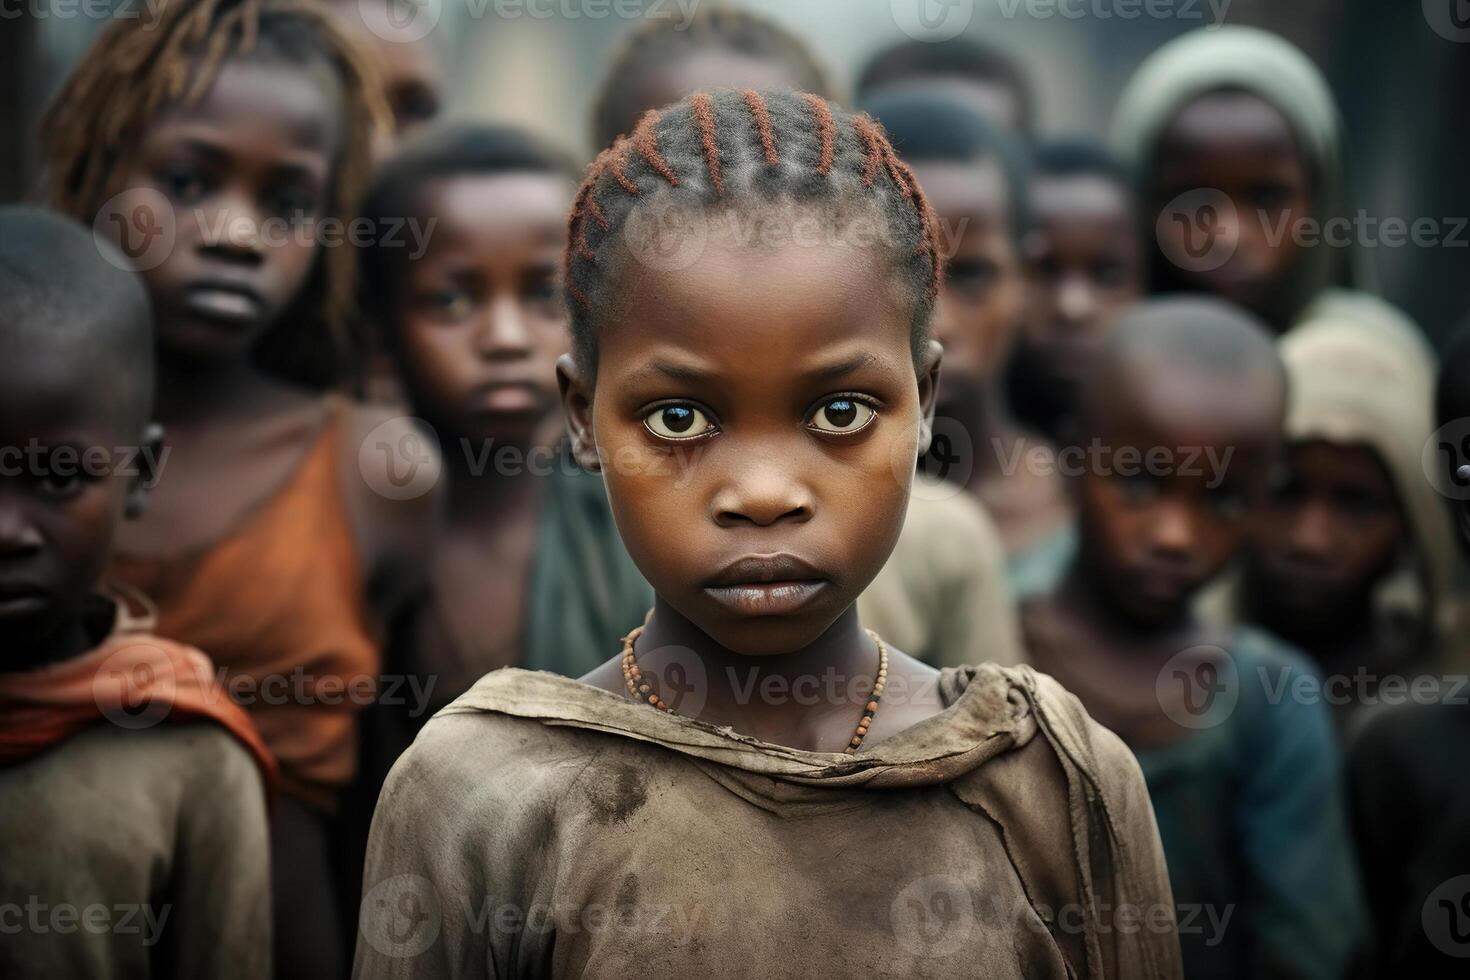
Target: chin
column 764, row 636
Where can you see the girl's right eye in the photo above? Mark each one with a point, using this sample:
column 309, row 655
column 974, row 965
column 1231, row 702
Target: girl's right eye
column 678, row 421
column 452, row 305
column 182, row 183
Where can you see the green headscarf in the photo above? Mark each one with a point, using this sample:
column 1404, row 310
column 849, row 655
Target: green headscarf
column 1265, row 65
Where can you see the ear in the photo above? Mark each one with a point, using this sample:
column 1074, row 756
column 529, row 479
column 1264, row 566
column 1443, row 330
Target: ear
column 576, row 404
column 148, row 467
column 928, row 391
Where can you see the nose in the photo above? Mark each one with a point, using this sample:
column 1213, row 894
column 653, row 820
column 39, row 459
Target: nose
column 232, row 230
column 1311, row 535
column 19, row 536
column 1174, row 533
column 763, row 494
column 1076, row 301
column 503, row 332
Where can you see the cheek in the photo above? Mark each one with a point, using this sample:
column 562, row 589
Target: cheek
column 84, row 530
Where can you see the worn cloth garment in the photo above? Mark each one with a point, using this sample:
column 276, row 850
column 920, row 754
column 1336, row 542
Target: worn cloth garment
column 1351, row 383
column 1411, row 810
column 942, row 596
column 129, row 848
column 540, row 827
column 133, row 679
column 1252, row 813
column 280, row 606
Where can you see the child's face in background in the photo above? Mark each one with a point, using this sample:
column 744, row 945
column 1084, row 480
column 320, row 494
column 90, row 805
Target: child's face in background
column 705, row 70
column 1154, row 532
column 407, row 66
column 981, row 301
column 758, row 418
column 57, row 515
column 1085, row 268
column 1241, row 146
column 247, row 171
column 479, row 320
column 1328, row 532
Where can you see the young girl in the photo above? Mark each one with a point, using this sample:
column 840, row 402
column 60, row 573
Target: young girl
column 214, row 140
column 1235, row 144
column 1352, row 554
column 752, row 785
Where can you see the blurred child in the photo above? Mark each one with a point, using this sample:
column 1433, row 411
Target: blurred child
column 975, row 178
column 1235, row 144
column 1084, row 267
column 222, row 143
column 407, row 67
column 129, row 847
column 746, row 410
column 718, row 45
column 529, row 571
column 1351, row 557
column 985, row 78
column 1186, row 401
column 1406, row 772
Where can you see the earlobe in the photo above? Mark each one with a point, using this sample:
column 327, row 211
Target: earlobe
column 576, row 403
column 928, row 368
column 147, row 469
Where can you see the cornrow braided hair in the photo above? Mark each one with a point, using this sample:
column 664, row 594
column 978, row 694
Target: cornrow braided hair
column 733, row 148
column 714, row 25
column 141, row 67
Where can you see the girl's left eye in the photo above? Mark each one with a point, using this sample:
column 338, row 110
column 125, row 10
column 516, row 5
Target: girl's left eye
column 677, row 422
column 841, row 415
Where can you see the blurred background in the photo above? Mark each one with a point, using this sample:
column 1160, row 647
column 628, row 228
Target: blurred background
column 1399, row 71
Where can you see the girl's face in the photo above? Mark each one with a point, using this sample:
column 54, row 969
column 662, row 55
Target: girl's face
column 1329, row 532
column 479, row 320
column 982, row 299
column 1240, row 146
column 1085, row 269
column 246, row 173
column 758, row 418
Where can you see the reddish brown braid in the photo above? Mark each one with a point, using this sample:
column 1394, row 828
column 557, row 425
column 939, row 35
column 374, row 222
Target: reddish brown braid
column 719, row 148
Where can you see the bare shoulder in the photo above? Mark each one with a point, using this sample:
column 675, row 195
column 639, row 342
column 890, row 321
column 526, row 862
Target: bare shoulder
column 392, row 475
column 607, row 676
column 910, row 695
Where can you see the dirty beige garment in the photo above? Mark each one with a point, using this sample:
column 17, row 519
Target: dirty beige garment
column 943, row 596
column 135, row 854
column 543, row 828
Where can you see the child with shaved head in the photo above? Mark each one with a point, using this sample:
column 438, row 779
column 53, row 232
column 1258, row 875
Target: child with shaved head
column 132, row 811
column 1184, row 413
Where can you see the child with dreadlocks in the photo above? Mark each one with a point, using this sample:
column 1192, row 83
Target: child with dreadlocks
column 215, row 140
column 755, row 785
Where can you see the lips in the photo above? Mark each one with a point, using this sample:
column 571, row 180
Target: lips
column 767, row 585
column 225, row 301
column 21, row 599
column 507, row 397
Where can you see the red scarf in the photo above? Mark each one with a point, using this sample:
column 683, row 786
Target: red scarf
column 133, row 680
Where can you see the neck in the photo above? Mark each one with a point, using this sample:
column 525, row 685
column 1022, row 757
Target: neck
column 1080, row 592
column 62, row 642
column 188, row 389
column 985, row 419
column 493, row 476
column 738, row 690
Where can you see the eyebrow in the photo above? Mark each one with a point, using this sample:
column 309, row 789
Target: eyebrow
column 841, row 368
column 675, row 372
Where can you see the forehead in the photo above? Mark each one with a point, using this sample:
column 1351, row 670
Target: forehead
column 263, row 101
column 976, row 189
column 1084, row 197
column 51, row 396
column 762, row 309
column 991, row 97
column 709, row 68
column 1238, row 122
column 495, row 211
column 1167, row 404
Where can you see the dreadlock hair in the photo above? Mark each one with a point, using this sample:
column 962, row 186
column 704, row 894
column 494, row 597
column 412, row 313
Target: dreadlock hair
column 954, row 58
column 467, row 149
column 717, row 26
column 737, row 148
column 171, row 56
